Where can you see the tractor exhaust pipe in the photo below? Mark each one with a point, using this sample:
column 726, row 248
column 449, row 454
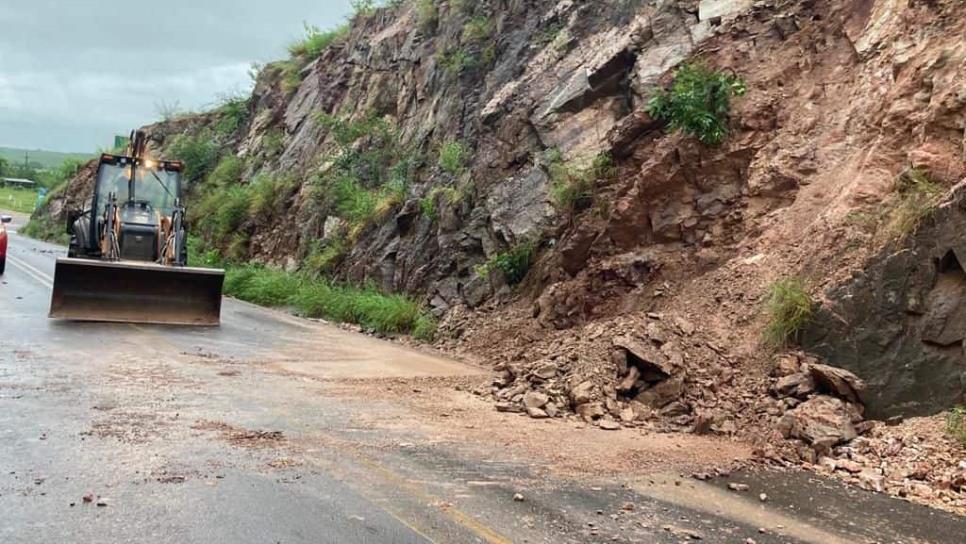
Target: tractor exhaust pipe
column 126, row 292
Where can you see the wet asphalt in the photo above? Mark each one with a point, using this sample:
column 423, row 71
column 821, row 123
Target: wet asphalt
column 202, row 435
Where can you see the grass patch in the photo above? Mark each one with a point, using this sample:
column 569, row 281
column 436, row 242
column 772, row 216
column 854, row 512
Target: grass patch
column 18, row 200
column 370, row 176
column 789, row 308
column 270, row 192
column 918, row 199
column 455, row 60
column 478, row 30
column 956, row 424
column 325, row 257
column 515, row 263
column 232, row 113
column 698, row 102
column 365, row 306
column 315, row 42
column 427, row 14
column 573, row 187
column 453, row 157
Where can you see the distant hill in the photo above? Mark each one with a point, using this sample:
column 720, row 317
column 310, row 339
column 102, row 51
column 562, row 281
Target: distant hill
column 45, row 159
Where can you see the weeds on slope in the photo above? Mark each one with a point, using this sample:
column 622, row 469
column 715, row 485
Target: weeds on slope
column 789, row 308
column 956, row 424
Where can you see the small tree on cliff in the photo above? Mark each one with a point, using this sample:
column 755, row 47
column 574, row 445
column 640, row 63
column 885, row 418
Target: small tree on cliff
column 698, row 102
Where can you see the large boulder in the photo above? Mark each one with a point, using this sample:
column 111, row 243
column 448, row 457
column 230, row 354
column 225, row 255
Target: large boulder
column 823, row 422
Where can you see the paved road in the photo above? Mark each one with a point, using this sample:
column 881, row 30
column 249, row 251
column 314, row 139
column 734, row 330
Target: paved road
column 236, row 434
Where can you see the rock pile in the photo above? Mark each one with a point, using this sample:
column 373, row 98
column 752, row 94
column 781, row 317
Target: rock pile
column 650, row 370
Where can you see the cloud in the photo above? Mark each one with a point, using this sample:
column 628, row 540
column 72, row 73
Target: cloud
column 72, row 80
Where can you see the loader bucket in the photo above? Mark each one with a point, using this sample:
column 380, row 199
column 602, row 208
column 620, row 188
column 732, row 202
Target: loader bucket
column 132, row 292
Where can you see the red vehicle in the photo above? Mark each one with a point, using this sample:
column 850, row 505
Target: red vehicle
column 4, row 219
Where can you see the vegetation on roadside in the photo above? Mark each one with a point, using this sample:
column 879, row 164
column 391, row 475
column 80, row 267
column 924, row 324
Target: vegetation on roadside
column 956, row 424
column 319, row 298
column 698, row 102
column 514, row 263
column 789, row 308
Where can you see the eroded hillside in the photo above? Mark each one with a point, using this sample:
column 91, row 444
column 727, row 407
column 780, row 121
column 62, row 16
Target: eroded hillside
column 497, row 161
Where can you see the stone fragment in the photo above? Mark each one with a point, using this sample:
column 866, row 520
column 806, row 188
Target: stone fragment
column 799, row 385
column 644, row 355
column 509, row 407
column 584, row 392
column 545, row 371
column 609, row 425
column 872, row 481
column 590, row 411
column 838, row 382
column 738, row 487
column 537, row 413
column 662, row 394
column 535, row 399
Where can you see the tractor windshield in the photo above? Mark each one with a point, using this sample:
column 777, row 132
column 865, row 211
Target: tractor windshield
column 154, row 185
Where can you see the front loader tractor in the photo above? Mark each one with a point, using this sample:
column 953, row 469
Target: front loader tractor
column 128, row 256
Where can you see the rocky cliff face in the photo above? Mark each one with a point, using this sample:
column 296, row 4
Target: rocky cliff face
column 842, row 97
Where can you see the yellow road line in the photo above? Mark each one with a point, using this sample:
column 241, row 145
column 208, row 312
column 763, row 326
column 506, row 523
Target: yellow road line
column 44, row 279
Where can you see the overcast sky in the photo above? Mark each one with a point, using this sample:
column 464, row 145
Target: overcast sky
column 75, row 72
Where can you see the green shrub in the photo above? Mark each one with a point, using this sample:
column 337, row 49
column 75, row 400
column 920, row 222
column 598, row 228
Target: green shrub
column 918, row 199
column 324, row 258
column 231, row 115
column 200, row 256
column 425, row 328
column 573, row 187
column 427, row 207
column 698, row 102
column 370, row 176
column 227, row 172
column 315, row 41
column 455, row 60
column 789, row 308
column 273, row 143
column 260, row 285
column 428, row 15
column 477, row 30
column 515, row 263
column 198, row 152
column 355, row 203
column 269, row 192
column 956, row 424
column 363, row 8
column 452, row 157
column 291, row 74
